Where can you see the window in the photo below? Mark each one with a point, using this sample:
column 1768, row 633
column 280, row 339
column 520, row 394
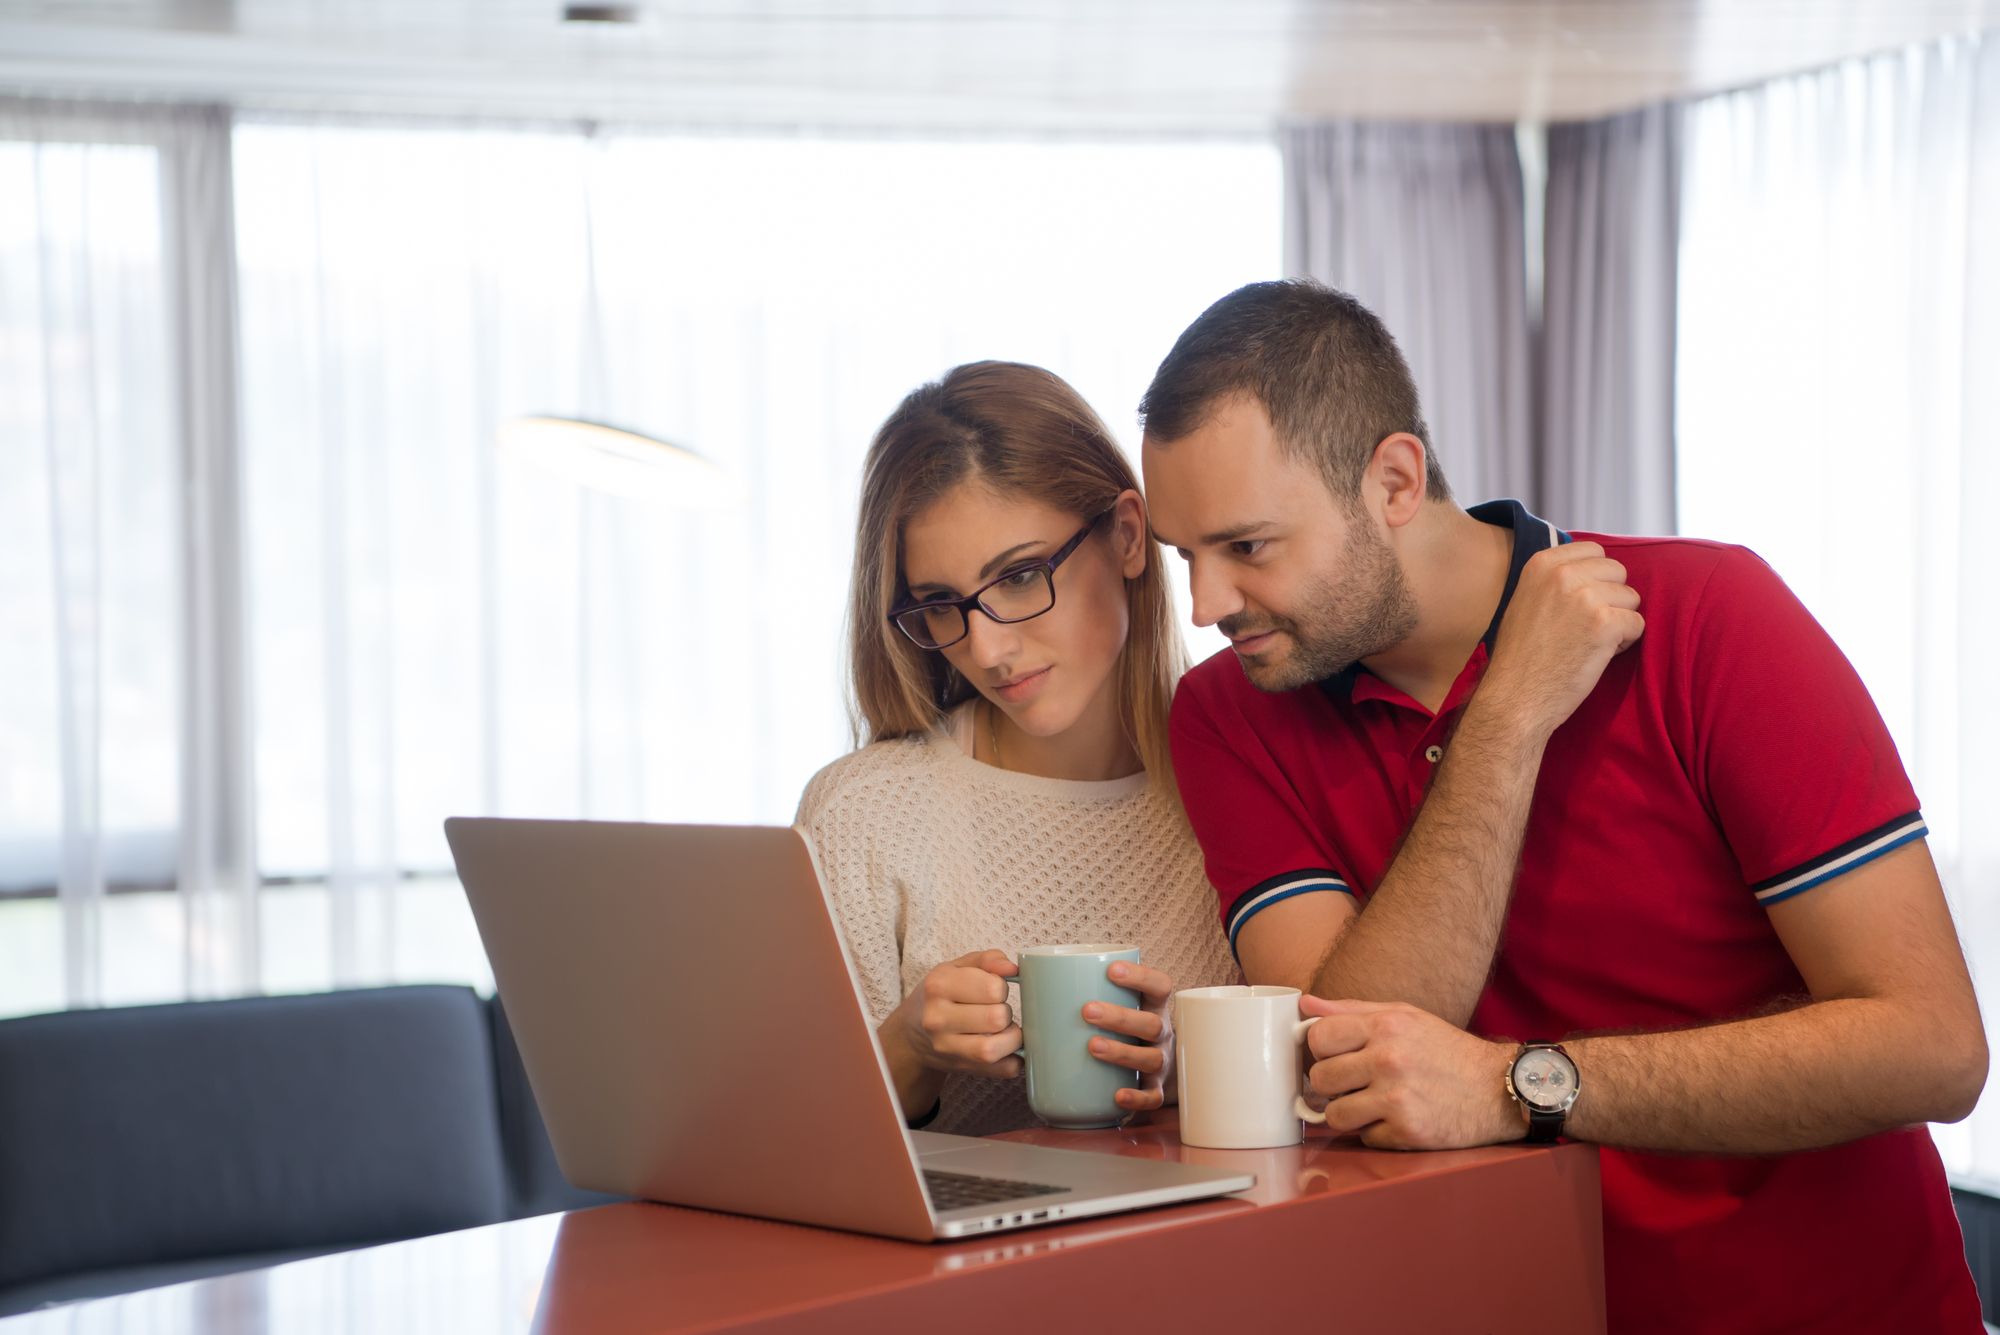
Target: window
column 433, row 631
column 1839, row 322
column 89, row 709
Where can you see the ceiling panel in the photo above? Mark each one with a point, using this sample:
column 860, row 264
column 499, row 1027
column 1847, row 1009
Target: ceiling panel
column 1225, row 66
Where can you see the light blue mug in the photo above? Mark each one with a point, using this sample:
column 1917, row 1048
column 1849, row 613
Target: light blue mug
column 1067, row 1087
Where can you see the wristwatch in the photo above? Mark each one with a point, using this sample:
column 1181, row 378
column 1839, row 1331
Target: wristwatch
column 1544, row 1080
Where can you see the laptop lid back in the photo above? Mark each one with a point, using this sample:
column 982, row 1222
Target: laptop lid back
column 688, row 1019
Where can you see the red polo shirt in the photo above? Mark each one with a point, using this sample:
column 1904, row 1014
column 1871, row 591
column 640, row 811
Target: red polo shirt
column 1730, row 759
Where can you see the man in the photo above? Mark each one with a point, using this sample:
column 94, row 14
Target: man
column 1454, row 781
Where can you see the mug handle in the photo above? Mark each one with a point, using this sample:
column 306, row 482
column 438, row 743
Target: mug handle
column 1020, row 980
column 1299, row 1104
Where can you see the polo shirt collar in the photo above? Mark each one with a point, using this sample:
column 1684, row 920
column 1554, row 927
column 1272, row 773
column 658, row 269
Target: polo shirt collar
column 1531, row 534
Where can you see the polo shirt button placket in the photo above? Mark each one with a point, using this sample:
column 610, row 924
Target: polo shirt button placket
column 1423, row 769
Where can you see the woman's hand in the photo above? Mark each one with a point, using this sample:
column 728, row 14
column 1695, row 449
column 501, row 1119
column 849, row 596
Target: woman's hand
column 1151, row 1024
column 957, row 1019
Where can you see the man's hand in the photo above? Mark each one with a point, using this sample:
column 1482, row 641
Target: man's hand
column 1407, row 1080
column 1570, row 615
column 1149, row 1024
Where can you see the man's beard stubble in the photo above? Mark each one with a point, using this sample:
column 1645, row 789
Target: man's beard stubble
column 1366, row 609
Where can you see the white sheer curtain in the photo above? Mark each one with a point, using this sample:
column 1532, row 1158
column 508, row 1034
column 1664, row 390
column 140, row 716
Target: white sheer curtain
column 1423, row 224
column 1611, row 252
column 115, row 394
column 423, row 629
column 437, row 632
column 1839, row 411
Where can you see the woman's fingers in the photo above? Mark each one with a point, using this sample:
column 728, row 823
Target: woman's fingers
column 1147, row 1061
column 952, row 1017
column 989, row 961
column 1144, row 1025
column 1155, row 986
column 1139, row 1100
column 1148, row 1025
column 970, row 1051
column 964, row 984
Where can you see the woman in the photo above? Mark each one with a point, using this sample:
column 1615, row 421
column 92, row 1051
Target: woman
column 1013, row 655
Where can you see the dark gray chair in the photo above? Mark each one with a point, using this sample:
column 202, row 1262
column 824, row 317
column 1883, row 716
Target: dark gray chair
column 154, row 1144
column 1979, row 1221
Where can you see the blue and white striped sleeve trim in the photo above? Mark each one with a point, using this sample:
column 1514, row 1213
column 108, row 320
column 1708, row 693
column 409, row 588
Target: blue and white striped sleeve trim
column 1266, row 893
column 1841, row 860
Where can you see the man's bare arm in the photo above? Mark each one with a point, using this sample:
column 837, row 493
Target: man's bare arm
column 1286, row 943
column 1428, row 934
column 1889, row 1036
column 1429, row 930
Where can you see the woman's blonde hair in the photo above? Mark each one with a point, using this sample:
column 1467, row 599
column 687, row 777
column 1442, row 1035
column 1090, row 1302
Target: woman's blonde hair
column 1021, row 432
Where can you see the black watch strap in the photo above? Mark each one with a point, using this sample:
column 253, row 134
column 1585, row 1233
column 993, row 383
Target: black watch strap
column 1545, row 1127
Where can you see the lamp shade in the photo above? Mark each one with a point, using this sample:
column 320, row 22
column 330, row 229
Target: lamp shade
column 621, row 463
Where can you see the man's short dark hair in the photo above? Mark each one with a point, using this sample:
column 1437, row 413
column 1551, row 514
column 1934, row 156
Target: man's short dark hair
column 1326, row 369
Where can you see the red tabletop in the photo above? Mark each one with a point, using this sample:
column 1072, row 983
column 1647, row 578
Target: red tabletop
column 1334, row 1237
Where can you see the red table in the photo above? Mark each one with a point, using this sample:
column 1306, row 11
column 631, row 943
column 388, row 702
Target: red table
column 1334, row 1237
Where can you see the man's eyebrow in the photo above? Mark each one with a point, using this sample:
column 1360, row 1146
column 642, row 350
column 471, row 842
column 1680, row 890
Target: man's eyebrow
column 1234, row 533
column 986, row 570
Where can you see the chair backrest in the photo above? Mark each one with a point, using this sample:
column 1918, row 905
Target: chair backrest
column 158, row 1133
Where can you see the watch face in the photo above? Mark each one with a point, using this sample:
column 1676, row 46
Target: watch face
column 1544, row 1078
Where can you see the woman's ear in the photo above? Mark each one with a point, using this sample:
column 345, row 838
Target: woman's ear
column 1128, row 533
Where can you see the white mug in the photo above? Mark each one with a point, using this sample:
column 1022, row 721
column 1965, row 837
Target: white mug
column 1239, row 1058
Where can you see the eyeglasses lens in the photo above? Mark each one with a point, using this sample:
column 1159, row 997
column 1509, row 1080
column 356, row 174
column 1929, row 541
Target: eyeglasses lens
column 1017, row 597
column 931, row 627
column 1023, row 594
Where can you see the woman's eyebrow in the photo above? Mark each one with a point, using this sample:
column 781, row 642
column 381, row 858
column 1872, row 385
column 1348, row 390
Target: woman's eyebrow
column 1007, row 556
column 985, row 571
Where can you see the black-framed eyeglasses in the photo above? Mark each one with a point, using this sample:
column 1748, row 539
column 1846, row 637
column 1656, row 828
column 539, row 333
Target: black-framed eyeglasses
column 1023, row 593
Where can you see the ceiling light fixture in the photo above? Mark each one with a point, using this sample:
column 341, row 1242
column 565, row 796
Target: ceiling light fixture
column 622, row 463
column 600, row 13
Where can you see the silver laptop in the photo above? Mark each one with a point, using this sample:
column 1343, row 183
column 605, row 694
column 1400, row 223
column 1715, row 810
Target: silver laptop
column 694, row 1033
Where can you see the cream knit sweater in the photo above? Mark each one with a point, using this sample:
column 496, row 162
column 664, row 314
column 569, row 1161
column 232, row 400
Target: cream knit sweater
column 929, row 854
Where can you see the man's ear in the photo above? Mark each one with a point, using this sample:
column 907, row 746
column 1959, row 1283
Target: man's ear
column 1396, row 476
column 1128, row 533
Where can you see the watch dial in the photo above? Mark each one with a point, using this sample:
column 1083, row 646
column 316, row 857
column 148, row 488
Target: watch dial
column 1544, row 1078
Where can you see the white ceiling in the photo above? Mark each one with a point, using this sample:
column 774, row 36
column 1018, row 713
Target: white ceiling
column 1218, row 66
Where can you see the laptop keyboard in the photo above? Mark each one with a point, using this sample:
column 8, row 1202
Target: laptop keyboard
column 956, row 1191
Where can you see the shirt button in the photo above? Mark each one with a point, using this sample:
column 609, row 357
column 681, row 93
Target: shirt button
column 1434, row 754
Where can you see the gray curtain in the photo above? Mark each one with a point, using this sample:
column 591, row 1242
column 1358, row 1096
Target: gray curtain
column 1608, row 325
column 1423, row 224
